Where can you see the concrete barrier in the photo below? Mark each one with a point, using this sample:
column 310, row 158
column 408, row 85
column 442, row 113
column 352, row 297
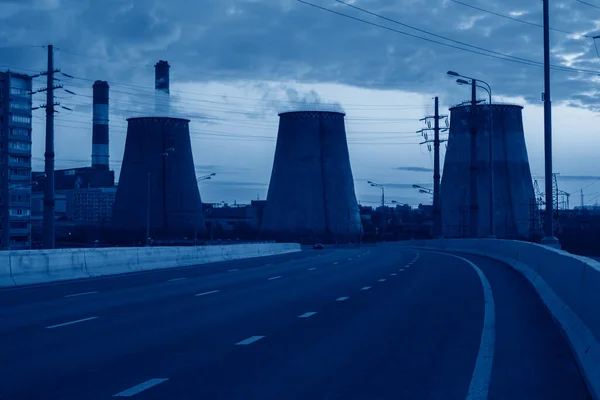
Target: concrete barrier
column 568, row 285
column 24, row 267
column 6, row 278
column 111, row 261
column 36, row 266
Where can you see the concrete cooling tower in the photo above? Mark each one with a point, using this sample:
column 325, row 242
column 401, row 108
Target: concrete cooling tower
column 513, row 184
column 311, row 194
column 158, row 166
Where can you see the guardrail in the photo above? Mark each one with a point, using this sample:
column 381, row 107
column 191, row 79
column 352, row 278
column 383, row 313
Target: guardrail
column 569, row 286
column 25, row 267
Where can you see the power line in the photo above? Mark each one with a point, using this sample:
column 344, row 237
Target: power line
column 497, row 55
column 516, row 19
column 588, row 4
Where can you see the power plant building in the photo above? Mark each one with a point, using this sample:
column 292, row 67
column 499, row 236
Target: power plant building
column 513, row 184
column 311, row 193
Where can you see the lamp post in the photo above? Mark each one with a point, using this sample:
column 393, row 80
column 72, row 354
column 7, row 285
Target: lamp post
column 148, row 188
column 202, row 178
column 382, row 206
column 485, row 86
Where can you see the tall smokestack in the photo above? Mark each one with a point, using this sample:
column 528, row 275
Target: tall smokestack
column 161, row 85
column 100, row 153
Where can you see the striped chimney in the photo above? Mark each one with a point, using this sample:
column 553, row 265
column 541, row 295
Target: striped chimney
column 100, row 153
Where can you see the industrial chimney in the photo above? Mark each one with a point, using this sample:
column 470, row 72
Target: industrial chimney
column 513, row 186
column 161, row 85
column 100, row 152
column 311, row 194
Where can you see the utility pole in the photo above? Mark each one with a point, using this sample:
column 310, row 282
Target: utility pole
column 49, row 201
column 473, row 206
column 549, row 238
column 437, row 209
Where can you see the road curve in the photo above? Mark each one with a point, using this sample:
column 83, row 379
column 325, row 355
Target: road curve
column 363, row 323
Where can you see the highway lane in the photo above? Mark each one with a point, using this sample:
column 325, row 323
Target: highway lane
column 387, row 324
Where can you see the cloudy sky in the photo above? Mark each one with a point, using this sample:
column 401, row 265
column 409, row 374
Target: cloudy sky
column 236, row 63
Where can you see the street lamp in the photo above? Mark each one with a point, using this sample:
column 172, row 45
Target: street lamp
column 477, row 83
column 377, row 185
column 200, row 179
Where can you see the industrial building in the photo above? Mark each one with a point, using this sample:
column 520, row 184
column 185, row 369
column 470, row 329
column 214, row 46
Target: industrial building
column 15, row 161
column 157, row 196
column 513, row 184
column 311, row 193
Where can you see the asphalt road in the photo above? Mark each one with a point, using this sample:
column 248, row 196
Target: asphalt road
column 366, row 323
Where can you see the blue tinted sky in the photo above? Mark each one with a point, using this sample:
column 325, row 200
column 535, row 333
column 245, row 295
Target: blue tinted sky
column 236, row 63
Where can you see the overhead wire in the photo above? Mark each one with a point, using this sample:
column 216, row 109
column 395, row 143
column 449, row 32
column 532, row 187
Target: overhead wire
column 487, row 53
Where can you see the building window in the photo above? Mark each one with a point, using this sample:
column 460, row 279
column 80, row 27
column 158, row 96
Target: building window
column 19, row 132
column 20, row 119
column 18, row 212
column 20, row 172
column 19, row 225
column 19, row 92
column 19, row 159
column 17, row 105
column 19, row 146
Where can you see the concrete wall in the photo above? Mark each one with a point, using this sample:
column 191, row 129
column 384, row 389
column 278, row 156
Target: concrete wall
column 513, row 183
column 37, row 266
column 569, row 285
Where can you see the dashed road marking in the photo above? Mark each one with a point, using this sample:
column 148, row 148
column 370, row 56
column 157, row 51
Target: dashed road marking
column 176, row 279
column 342, row 298
column 233, row 270
column 250, row 340
column 401, row 270
column 71, row 322
column 349, row 259
column 275, row 277
column 205, row 293
column 382, row 280
column 141, row 387
column 312, row 269
column 335, row 263
column 307, row 314
column 81, row 294
column 366, row 288
column 393, row 274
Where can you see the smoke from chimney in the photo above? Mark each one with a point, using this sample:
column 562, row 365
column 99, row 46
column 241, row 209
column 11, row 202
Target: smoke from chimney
column 100, row 150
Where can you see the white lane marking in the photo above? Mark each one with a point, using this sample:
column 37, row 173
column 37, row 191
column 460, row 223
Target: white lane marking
column 335, row 263
column 401, row 270
column 233, row 270
column 359, row 256
column 268, row 264
column 141, row 387
column 393, row 274
column 382, row 280
column 205, row 293
column 349, row 259
column 176, row 279
column 307, row 314
column 80, row 294
column 71, row 322
column 275, row 277
column 250, row 340
column 366, row 288
column 312, row 269
column 342, row 299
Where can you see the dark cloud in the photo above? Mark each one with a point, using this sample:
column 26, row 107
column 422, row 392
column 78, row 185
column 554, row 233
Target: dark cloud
column 414, row 169
column 289, row 41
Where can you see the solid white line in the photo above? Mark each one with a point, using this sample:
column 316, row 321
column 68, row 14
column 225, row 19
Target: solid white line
column 393, row 274
column 141, row 387
column 250, row 340
column 480, row 382
column 205, row 293
column 366, row 288
column 232, row 270
column 176, row 279
column 342, row 299
column 80, row 294
column 382, row 280
column 306, row 315
column 275, row 277
column 70, row 323
column 312, row 269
